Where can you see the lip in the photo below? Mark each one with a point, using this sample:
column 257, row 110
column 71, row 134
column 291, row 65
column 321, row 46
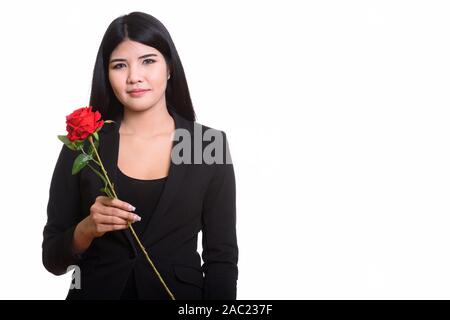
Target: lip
column 138, row 92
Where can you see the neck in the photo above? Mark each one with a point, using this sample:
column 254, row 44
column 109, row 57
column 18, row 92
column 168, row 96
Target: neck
column 146, row 124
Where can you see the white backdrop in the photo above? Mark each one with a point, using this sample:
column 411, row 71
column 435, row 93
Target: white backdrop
column 337, row 114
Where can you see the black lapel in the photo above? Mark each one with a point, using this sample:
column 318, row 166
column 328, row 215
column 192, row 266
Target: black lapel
column 109, row 153
column 172, row 185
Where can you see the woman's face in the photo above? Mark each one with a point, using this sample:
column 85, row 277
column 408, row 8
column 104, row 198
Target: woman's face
column 132, row 66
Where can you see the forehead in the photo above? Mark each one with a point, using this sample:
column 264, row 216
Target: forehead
column 132, row 49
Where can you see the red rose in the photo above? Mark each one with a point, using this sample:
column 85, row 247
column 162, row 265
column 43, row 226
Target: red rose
column 83, row 122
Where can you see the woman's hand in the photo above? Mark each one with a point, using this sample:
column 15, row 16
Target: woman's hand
column 107, row 214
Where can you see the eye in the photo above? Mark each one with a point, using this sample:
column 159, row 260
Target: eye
column 117, row 66
column 147, row 60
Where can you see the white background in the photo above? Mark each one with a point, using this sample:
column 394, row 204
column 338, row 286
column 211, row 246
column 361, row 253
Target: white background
column 337, row 114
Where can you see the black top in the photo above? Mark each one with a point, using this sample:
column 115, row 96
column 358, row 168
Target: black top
column 144, row 195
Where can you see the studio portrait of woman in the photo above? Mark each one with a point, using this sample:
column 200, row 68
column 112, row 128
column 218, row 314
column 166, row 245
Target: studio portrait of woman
column 139, row 83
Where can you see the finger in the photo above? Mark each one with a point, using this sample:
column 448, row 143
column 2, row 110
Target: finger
column 110, row 227
column 120, row 204
column 102, row 199
column 106, row 219
column 126, row 215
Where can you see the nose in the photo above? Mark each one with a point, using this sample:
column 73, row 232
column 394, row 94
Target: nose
column 134, row 75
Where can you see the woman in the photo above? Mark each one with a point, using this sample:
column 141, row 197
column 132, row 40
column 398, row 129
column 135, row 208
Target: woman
column 139, row 83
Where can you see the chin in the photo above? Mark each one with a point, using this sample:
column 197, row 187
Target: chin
column 139, row 105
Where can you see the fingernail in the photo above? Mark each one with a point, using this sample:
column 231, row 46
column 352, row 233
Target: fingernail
column 137, row 218
column 131, row 208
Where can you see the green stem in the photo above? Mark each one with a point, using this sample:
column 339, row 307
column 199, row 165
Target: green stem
column 99, row 174
column 101, row 166
column 98, row 163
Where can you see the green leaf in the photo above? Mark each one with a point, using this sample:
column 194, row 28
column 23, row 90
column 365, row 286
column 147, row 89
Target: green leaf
column 78, row 144
column 80, row 162
column 67, row 142
column 64, row 139
column 95, row 135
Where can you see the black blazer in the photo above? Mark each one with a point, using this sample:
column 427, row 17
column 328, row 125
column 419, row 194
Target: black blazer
column 196, row 197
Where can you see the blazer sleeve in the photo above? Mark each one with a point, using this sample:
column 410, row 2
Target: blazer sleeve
column 220, row 249
column 63, row 214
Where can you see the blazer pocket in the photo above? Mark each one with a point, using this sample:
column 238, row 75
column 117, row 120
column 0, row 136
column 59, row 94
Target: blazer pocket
column 188, row 274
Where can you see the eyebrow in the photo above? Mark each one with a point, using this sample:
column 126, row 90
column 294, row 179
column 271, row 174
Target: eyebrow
column 141, row 57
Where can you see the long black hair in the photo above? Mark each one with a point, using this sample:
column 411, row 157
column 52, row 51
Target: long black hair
column 148, row 30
